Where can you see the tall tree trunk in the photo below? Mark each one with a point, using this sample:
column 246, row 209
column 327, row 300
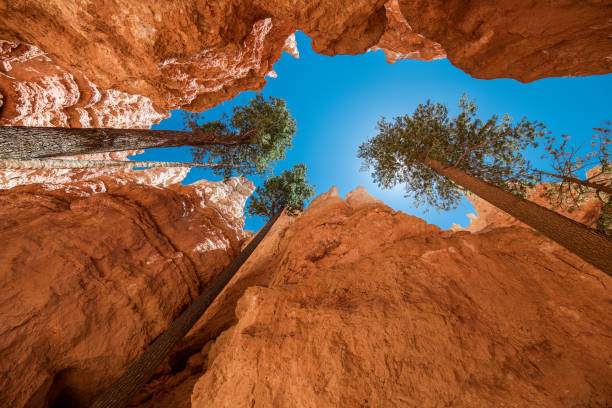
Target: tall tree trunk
column 21, row 142
column 139, row 373
column 592, row 246
column 596, row 186
column 35, row 164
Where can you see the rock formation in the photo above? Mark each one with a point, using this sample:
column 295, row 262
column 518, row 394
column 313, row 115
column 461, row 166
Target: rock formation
column 354, row 304
column 524, row 40
column 93, row 271
column 193, row 55
column 38, row 92
column 349, row 304
column 399, row 41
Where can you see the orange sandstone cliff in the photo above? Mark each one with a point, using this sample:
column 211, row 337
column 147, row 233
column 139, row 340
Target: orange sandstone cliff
column 354, row 304
column 35, row 91
column 93, row 271
column 349, row 304
column 104, row 62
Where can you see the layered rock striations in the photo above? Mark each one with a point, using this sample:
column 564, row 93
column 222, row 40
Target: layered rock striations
column 58, row 178
column 193, row 55
column 93, row 271
column 354, row 304
column 36, row 91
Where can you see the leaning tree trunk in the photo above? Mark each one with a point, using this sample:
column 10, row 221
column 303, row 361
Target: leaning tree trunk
column 592, row 246
column 139, row 373
column 21, row 142
column 36, row 164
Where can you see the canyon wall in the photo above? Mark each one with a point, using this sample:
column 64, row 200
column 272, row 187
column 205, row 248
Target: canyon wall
column 92, row 272
column 353, row 304
column 348, row 304
column 148, row 57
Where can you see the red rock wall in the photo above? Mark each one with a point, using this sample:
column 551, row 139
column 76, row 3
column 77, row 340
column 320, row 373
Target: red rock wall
column 354, row 304
column 193, row 55
column 364, row 306
column 349, row 304
column 521, row 39
column 92, row 272
column 399, row 41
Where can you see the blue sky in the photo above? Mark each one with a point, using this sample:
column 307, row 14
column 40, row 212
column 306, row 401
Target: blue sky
column 337, row 101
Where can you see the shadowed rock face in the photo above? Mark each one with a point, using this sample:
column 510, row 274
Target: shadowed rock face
column 92, row 272
column 193, row 55
column 524, row 40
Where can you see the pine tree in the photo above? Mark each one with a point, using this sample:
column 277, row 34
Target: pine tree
column 271, row 129
column 435, row 156
column 290, row 190
column 576, row 178
column 260, row 131
column 37, row 164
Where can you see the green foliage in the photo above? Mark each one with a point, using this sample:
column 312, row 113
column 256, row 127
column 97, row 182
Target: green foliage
column 490, row 151
column 267, row 128
column 290, row 190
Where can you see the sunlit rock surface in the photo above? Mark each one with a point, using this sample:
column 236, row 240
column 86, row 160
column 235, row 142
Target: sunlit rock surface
column 193, row 55
column 10, row 178
column 93, row 271
column 38, row 92
column 354, row 304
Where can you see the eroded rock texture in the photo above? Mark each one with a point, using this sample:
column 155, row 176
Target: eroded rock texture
column 354, row 304
column 399, row 41
column 60, row 178
column 349, row 304
column 93, row 271
column 38, row 92
column 524, row 40
column 193, row 55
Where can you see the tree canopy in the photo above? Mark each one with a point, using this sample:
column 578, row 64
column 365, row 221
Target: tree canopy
column 265, row 124
column 290, row 190
column 489, row 150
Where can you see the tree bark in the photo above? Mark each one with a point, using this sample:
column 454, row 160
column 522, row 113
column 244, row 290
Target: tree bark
column 589, row 244
column 599, row 187
column 22, row 142
column 36, row 164
column 139, row 373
